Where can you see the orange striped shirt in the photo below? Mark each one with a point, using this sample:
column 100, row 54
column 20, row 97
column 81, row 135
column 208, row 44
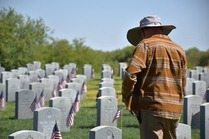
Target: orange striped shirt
column 160, row 67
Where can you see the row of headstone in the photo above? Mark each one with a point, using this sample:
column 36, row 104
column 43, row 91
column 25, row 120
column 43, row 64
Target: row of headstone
column 107, row 108
column 199, row 73
column 196, row 103
column 34, row 77
column 63, row 104
column 61, row 109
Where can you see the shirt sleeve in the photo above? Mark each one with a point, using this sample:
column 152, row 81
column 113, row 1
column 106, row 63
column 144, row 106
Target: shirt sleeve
column 136, row 65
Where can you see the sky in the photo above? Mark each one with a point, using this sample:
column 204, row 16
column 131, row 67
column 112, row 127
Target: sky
column 103, row 25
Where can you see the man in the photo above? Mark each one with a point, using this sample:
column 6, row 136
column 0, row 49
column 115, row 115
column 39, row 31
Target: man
column 154, row 82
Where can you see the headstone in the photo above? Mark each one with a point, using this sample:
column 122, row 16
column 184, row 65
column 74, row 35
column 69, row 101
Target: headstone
column 26, row 134
column 12, row 86
column 24, row 81
column 183, row 131
column 56, row 65
column 105, row 132
column 23, row 70
column 188, row 88
column 88, row 71
column 107, row 91
column 64, row 105
column 107, row 80
column 199, row 69
column 49, row 69
column 30, row 67
column 33, row 76
column 74, row 85
column 107, row 74
column 45, row 119
column 199, row 88
column 204, row 77
column 48, row 85
column 193, row 74
column 41, row 73
column 15, row 73
column 69, row 69
column 37, row 88
column 106, row 84
column 24, row 99
column 192, row 110
column 106, row 110
column 55, row 80
column 122, row 66
column 204, row 121
column 5, row 75
column 74, row 69
column 69, row 93
column 37, row 65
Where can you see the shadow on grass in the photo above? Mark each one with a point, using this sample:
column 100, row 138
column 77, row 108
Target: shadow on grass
column 86, row 126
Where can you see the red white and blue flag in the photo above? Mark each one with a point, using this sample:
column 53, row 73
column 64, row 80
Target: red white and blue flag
column 118, row 114
column 84, row 88
column 77, row 102
column 35, row 104
column 56, row 133
column 54, row 93
column 41, row 99
column 70, row 118
column 2, row 100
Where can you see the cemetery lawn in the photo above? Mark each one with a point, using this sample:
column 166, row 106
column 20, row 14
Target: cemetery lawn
column 85, row 119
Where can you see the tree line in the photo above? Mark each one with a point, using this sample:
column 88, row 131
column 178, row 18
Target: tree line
column 24, row 40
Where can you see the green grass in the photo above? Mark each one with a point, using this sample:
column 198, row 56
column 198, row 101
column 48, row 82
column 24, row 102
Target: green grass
column 84, row 120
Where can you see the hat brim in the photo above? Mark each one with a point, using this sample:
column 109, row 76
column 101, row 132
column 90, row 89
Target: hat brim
column 134, row 35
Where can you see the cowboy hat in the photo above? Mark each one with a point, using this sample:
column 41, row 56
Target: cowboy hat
column 134, row 34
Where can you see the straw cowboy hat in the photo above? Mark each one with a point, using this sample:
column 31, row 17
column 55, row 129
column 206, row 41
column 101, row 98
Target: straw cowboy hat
column 134, row 34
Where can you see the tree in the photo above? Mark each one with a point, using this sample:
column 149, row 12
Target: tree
column 193, row 57
column 19, row 38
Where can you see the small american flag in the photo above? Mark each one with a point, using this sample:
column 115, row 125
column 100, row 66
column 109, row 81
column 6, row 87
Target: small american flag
column 77, row 103
column 70, row 118
column 62, row 84
column 54, row 94
column 41, row 99
column 118, row 114
column 35, row 104
column 84, row 88
column 2, row 101
column 56, row 133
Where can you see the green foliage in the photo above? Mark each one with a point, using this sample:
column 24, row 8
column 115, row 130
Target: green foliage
column 19, row 38
column 24, row 40
column 195, row 57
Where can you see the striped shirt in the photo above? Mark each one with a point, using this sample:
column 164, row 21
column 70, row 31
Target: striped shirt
column 160, row 67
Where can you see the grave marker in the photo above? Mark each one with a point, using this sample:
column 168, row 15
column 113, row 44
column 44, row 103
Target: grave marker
column 192, row 110
column 44, row 120
column 105, row 132
column 24, row 98
column 64, row 105
column 26, row 134
column 12, row 85
column 204, row 121
column 106, row 110
column 183, row 131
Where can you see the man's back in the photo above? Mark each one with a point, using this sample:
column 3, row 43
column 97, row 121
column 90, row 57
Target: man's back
column 162, row 82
